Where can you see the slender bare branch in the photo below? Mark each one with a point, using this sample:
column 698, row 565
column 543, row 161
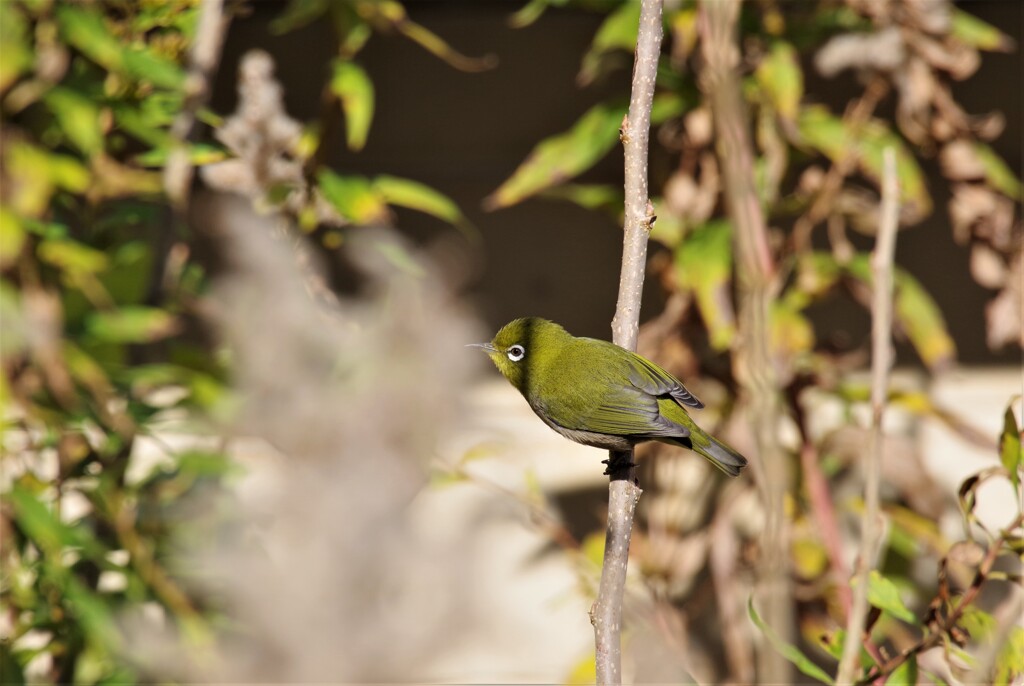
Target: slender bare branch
column 757, row 284
column 203, row 58
column 623, row 490
column 881, row 361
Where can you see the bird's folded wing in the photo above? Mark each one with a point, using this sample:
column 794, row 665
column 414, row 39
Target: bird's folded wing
column 652, row 379
column 629, row 411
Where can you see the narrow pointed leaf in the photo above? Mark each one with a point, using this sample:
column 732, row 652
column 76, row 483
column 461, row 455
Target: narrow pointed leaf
column 354, row 91
column 788, row 650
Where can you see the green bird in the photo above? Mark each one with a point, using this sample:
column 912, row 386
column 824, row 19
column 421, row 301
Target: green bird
column 598, row 394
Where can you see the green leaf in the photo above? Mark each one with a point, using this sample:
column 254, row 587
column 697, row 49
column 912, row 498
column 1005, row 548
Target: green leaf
column 905, row 674
column 47, row 532
column 198, row 154
column 788, row 650
column 12, row 237
column 86, row 30
column 1010, row 660
column 72, row 256
column 704, row 267
column 916, row 312
column 978, row 34
column 15, row 52
column 883, row 594
column 617, row 32
column 78, row 117
column 997, row 172
column 559, row 158
column 922, row 320
column 418, row 196
column 136, row 324
column 1010, row 447
column 297, row 14
column 780, row 76
column 354, row 197
column 354, row 91
column 590, row 196
column 826, row 133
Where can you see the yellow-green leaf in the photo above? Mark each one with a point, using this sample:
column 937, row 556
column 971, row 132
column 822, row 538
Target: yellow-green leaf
column 78, row 117
column 780, row 76
column 135, row 324
column 15, row 53
column 905, row 674
column 72, row 256
column 354, row 197
column 977, row 33
column 883, row 594
column 704, row 266
column 354, row 91
column 617, row 32
column 12, row 237
column 788, row 650
column 584, row 671
column 418, row 196
column 997, row 172
column 560, row 158
column 1010, row 447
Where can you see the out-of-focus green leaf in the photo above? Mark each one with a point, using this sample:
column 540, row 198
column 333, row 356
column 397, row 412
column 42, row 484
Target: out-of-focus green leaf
column 1010, row 447
column 47, row 532
column 977, row 33
column 12, row 237
column 15, row 53
column 788, row 650
column 590, row 196
column 817, row 272
column 617, row 32
column 875, row 138
column 997, row 172
column 391, row 15
column 72, row 256
column 1010, row 660
column 883, row 594
column 666, row 106
column 704, row 266
column 354, row 197
column 563, row 156
column 94, row 615
column 78, row 117
column 825, row 132
column 84, row 28
column 905, row 674
column 198, row 154
column 418, row 196
column 297, row 14
column 780, row 76
column 917, row 314
column 354, row 91
column 34, row 175
column 134, row 324
column 922, row 321
column 791, row 332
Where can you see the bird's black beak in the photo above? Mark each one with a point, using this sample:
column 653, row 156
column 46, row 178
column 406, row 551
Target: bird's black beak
column 487, row 347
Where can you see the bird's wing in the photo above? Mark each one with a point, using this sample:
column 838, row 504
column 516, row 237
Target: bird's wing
column 628, row 411
column 652, row 379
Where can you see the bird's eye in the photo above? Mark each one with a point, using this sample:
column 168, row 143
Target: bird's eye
column 516, row 353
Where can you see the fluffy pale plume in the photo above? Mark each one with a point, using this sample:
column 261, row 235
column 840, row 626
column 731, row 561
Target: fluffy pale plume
column 320, row 571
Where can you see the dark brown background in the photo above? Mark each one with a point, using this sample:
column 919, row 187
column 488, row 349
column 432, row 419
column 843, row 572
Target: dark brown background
column 465, row 133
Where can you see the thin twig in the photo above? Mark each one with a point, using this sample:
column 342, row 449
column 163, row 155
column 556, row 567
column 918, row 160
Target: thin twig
column 203, row 58
column 881, row 361
column 757, row 283
column 623, row 490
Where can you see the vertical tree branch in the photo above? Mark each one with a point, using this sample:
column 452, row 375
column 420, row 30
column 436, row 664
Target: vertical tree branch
column 203, row 58
column 623, row 490
column 756, row 277
column 881, row 361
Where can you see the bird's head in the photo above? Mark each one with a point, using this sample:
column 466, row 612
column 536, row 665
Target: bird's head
column 523, row 347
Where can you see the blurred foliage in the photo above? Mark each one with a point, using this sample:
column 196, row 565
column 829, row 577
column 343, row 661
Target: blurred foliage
column 105, row 339
column 818, row 174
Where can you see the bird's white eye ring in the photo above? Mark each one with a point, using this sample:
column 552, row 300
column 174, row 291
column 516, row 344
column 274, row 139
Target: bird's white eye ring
column 516, row 353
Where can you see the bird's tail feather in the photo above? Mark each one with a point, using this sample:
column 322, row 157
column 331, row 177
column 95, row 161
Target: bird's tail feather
column 717, row 453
